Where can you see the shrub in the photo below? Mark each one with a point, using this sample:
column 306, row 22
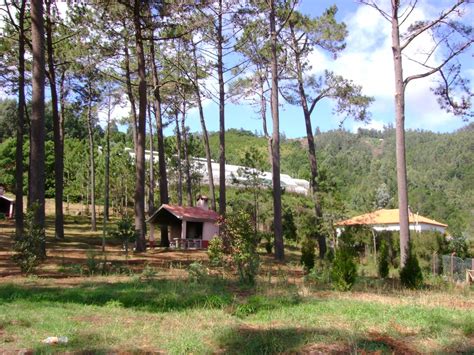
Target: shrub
column 91, row 263
column 308, row 253
column 383, row 260
column 268, row 238
column 240, row 242
column 30, row 247
column 215, row 251
column 125, row 232
column 197, row 272
column 411, row 275
column 344, row 269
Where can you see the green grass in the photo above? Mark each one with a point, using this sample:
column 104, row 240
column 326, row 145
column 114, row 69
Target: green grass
column 177, row 316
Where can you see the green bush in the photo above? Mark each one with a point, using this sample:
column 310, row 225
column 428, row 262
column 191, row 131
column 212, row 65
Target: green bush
column 268, row 241
column 92, row 263
column 30, row 247
column 237, row 231
column 125, row 232
column 382, row 264
column 215, row 251
column 308, row 253
column 344, row 269
column 197, row 272
column 411, row 275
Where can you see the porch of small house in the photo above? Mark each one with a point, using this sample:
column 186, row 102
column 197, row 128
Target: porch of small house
column 187, row 235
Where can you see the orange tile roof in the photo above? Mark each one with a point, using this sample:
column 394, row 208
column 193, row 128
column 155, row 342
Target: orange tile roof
column 386, row 217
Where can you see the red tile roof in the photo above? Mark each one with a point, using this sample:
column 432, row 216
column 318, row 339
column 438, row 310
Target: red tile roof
column 191, row 213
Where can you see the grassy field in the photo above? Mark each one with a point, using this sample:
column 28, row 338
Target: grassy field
column 149, row 303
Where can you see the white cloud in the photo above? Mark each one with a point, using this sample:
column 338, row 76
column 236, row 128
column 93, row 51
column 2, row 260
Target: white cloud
column 373, row 124
column 367, row 60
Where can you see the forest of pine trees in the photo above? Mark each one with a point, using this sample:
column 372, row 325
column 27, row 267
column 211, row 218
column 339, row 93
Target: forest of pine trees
column 66, row 70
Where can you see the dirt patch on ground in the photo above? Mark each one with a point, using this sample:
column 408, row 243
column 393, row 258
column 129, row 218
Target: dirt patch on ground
column 321, row 348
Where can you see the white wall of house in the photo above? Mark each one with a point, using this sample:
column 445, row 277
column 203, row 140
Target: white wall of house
column 209, row 230
column 417, row 227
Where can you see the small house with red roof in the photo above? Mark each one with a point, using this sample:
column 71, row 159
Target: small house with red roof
column 188, row 227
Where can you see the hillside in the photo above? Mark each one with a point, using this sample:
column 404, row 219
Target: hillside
column 361, row 169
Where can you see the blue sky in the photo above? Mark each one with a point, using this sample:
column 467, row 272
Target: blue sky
column 368, row 62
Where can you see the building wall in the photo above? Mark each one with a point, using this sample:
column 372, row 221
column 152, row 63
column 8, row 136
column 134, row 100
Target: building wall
column 209, row 230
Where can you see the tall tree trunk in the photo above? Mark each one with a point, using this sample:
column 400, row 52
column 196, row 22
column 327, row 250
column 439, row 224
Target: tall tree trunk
column 187, row 164
column 220, row 74
column 131, row 97
column 58, row 139
column 90, row 132
column 141, row 133
column 263, row 114
column 400, row 137
column 205, row 136
column 179, row 168
column 20, row 123
column 37, row 124
column 279, row 245
column 311, row 148
column 151, row 189
column 164, row 199
column 107, row 162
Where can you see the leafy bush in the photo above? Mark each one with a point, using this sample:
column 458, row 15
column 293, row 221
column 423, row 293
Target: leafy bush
column 382, row 266
column 411, row 275
column 344, row 269
column 268, row 238
column 240, row 242
column 125, row 232
column 308, row 253
column 30, row 247
column 197, row 272
column 458, row 244
column 288, row 225
column 92, row 263
column 215, row 251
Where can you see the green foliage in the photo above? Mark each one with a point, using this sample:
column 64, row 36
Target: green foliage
column 92, row 263
column 459, row 244
column 411, row 275
column 240, row 242
column 382, row 262
column 344, row 269
column 267, row 237
column 215, row 251
column 125, row 232
column 197, row 272
column 30, row 247
column 308, row 253
column 425, row 244
column 288, row 225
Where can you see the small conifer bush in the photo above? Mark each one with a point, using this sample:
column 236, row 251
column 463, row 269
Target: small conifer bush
column 307, row 253
column 383, row 266
column 411, row 275
column 344, row 269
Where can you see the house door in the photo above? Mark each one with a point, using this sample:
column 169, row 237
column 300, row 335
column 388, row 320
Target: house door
column 194, row 230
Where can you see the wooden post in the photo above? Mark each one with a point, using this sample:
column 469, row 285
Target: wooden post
column 452, row 266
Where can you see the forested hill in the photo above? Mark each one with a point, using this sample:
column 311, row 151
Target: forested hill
column 360, row 169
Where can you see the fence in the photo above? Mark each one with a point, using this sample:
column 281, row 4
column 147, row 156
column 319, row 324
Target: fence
column 452, row 267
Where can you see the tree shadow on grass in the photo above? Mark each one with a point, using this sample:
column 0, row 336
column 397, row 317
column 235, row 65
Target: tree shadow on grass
column 153, row 296
column 255, row 340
